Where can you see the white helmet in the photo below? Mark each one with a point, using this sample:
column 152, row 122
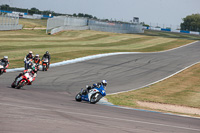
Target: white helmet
column 37, row 55
column 5, row 57
column 104, row 82
column 30, row 52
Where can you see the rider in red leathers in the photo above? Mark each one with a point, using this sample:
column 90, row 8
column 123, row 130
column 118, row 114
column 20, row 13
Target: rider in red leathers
column 32, row 71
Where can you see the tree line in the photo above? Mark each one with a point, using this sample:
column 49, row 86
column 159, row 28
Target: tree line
column 191, row 23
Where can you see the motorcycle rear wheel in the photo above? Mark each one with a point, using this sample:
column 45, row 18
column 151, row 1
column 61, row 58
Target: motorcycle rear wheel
column 78, row 97
column 44, row 68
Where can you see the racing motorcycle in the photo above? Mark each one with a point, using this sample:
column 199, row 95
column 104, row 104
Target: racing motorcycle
column 93, row 96
column 45, row 64
column 27, row 63
column 37, row 64
column 2, row 67
column 22, row 80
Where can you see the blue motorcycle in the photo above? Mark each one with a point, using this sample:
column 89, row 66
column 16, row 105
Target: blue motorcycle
column 93, row 96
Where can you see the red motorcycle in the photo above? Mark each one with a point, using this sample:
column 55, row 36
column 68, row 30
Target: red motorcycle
column 22, row 80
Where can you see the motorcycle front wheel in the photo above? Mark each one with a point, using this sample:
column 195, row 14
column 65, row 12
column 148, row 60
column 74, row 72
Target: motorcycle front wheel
column 1, row 71
column 13, row 85
column 20, row 84
column 95, row 98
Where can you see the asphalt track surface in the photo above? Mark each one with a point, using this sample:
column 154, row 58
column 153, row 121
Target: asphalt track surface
column 48, row 106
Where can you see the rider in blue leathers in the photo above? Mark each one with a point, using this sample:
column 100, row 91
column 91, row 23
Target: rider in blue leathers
column 88, row 88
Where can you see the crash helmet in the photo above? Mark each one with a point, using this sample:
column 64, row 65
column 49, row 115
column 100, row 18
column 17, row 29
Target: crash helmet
column 37, row 56
column 47, row 52
column 30, row 52
column 104, row 82
column 94, row 85
column 5, row 58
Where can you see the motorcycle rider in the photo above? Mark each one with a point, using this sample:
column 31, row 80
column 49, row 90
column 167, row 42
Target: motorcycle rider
column 29, row 55
column 6, row 61
column 28, row 60
column 37, row 60
column 32, row 71
column 47, row 55
column 88, row 88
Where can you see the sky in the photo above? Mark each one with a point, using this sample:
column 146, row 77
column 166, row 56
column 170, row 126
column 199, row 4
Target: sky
column 152, row 12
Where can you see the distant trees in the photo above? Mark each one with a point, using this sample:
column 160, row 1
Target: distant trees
column 4, row 7
column 34, row 11
column 146, row 25
column 84, row 15
column 191, row 23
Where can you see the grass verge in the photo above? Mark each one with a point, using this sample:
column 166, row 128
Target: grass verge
column 73, row 44
column 182, row 89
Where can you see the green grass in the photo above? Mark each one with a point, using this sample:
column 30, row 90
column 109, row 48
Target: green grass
column 182, row 89
column 32, row 23
column 171, row 35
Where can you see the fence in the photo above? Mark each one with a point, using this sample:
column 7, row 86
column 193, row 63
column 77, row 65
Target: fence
column 172, row 30
column 61, row 23
column 9, row 22
column 115, row 27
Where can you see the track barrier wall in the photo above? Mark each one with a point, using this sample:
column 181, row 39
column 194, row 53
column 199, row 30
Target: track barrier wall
column 62, row 23
column 9, row 22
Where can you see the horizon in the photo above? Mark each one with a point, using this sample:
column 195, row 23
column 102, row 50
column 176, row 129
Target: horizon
column 152, row 12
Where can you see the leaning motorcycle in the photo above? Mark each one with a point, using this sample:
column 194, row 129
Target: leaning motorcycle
column 45, row 64
column 22, row 80
column 93, row 96
column 27, row 63
column 2, row 67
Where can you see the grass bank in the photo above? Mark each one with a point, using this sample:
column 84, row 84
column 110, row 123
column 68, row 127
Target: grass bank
column 33, row 23
column 182, row 89
column 73, row 44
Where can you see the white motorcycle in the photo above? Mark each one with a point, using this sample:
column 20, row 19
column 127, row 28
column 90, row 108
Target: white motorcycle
column 27, row 63
column 2, row 67
column 93, row 96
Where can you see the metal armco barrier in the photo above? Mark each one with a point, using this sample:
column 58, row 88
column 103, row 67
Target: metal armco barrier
column 62, row 23
column 9, row 22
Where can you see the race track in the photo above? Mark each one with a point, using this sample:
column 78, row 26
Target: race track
column 48, row 106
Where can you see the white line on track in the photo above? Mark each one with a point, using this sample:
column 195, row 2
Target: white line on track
column 104, row 117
